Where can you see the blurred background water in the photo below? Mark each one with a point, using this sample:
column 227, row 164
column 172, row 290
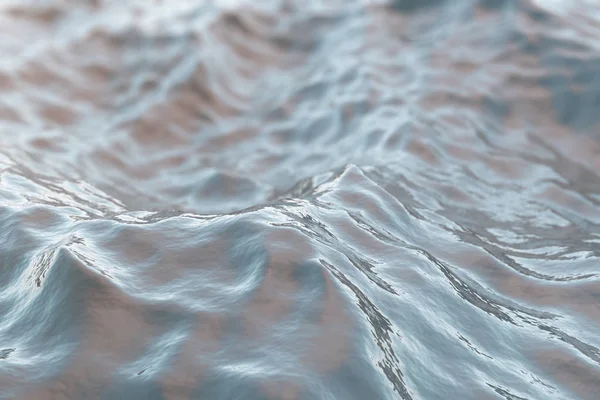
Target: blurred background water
column 285, row 199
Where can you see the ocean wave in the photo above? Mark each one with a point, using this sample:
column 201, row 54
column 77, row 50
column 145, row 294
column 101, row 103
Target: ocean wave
column 286, row 200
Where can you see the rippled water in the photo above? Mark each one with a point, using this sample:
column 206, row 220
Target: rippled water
column 287, row 199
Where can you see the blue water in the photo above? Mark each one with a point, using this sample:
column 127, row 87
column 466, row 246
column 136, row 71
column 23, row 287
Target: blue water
column 299, row 200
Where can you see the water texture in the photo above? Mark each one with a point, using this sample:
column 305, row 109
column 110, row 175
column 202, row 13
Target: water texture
column 285, row 199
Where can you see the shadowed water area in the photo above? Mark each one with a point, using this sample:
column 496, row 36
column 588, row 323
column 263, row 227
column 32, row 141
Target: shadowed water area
column 298, row 200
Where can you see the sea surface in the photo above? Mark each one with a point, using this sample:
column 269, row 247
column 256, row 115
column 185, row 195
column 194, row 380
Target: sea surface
column 300, row 199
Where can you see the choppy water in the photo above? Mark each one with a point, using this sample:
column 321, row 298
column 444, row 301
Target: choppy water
column 317, row 199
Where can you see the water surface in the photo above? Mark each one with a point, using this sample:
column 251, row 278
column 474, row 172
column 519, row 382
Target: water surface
column 299, row 200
